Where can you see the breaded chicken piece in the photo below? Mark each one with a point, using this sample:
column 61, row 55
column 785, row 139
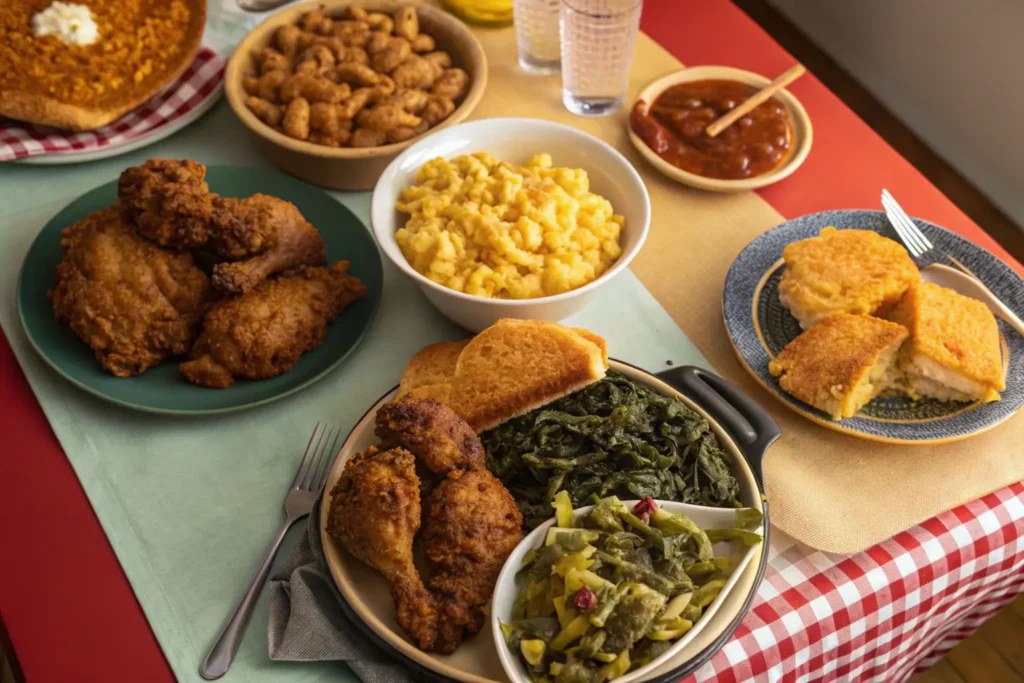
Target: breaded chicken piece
column 263, row 333
column 262, row 235
column 375, row 514
column 439, row 438
column 168, row 201
column 954, row 350
column 844, row 271
column 841, row 363
column 472, row 526
column 132, row 302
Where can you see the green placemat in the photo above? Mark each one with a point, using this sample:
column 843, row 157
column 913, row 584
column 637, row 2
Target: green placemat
column 189, row 505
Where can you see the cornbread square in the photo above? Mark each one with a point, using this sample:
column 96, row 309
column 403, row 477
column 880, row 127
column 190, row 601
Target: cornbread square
column 954, row 353
column 844, row 271
column 841, row 363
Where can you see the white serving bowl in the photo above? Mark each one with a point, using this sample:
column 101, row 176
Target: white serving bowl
column 505, row 591
column 803, row 132
column 515, row 141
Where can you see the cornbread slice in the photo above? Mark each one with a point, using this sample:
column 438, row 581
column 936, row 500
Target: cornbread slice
column 841, row 363
column 953, row 354
column 844, row 271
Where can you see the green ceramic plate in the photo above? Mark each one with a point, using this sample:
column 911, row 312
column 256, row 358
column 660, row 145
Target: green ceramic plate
column 162, row 389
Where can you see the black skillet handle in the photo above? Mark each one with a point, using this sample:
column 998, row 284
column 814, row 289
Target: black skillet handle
column 751, row 427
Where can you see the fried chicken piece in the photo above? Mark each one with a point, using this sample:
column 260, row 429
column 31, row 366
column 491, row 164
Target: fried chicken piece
column 375, row 513
column 263, row 333
column 269, row 233
column 472, row 526
column 168, row 201
column 132, row 302
column 433, row 432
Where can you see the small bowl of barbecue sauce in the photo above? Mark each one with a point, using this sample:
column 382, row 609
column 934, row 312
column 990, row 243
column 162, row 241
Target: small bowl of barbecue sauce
column 668, row 119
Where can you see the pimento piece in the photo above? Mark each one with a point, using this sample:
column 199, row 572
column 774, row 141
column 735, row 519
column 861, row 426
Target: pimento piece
column 585, row 599
column 645, row 508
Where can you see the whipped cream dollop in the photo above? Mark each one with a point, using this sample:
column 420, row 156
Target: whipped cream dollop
column 71, row 22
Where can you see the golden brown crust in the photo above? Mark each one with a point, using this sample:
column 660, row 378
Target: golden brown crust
column 375, row 513
column 41, row 108
column 264, row 332
column 827, row 361
column 132, row 302
column 168, row 200
column 269, row 233
column 439, row 438
column 471, row 526
column 844, row 271
column 958, row 332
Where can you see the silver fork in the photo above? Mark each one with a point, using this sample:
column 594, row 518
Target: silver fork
column 302, row 494
column 959, row 279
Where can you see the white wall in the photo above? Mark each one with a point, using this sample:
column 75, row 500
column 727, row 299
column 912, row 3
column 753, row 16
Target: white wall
column 952, row 70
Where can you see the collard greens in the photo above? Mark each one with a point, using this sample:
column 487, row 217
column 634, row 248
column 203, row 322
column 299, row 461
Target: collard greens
column 614, row 437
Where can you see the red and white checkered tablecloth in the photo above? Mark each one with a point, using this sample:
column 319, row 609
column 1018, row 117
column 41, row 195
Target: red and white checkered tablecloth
column 886, row 612
column 197, row 83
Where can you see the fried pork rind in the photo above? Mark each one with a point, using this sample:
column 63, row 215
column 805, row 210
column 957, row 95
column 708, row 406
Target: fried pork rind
column 356, row 60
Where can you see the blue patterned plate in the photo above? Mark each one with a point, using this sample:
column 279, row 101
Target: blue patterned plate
column 759, row 327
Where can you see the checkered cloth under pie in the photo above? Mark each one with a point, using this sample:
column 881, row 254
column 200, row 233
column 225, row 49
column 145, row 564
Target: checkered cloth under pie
column 198, row 82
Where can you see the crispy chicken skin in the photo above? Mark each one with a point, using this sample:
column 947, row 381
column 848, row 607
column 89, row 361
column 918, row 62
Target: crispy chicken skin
column 375, row 514
column 130, row 301
column 262, row 235
column 263, row 333
column 433, row 432
column 168, row 201
column 471, row 527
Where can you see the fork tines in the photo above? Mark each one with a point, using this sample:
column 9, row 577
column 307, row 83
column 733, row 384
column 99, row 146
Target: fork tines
column 915, row 240
column 317, row 460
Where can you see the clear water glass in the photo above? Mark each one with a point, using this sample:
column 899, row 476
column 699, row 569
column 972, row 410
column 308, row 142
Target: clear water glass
column 597, row 51
column 537, row 35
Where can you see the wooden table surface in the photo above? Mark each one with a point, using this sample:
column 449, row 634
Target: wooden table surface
column 66, row 604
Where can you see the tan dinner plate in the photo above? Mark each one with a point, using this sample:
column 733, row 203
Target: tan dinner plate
column 368, row 597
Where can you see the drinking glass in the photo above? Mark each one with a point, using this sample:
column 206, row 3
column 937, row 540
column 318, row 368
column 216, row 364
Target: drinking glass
column 597, row 50
column 537, row 35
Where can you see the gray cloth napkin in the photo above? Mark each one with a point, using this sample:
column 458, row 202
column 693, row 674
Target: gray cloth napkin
column 307, row 622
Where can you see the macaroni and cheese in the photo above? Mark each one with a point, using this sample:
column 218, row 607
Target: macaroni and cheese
column 490, row 228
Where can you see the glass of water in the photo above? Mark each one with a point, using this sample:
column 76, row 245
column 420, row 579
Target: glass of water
column 597, row 50
column 537, row 35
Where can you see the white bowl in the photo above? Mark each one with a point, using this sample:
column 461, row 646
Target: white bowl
column 505, row 590
column 515, row 141
column 803, row 132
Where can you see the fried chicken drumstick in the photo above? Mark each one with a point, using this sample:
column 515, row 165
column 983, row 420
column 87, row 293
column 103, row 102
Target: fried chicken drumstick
column 262, row 235
column 131, row 301
column 470, row 521
column 263, row 333
column 375, row 513
column 168, row 201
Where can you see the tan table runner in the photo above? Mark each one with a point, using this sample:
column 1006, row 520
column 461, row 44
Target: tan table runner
column 831, row 491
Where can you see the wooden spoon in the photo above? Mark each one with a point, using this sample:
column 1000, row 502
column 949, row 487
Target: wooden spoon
column 748, row 105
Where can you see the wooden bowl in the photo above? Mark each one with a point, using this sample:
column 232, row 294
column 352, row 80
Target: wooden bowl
column 348, row 168
column 803, row 132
